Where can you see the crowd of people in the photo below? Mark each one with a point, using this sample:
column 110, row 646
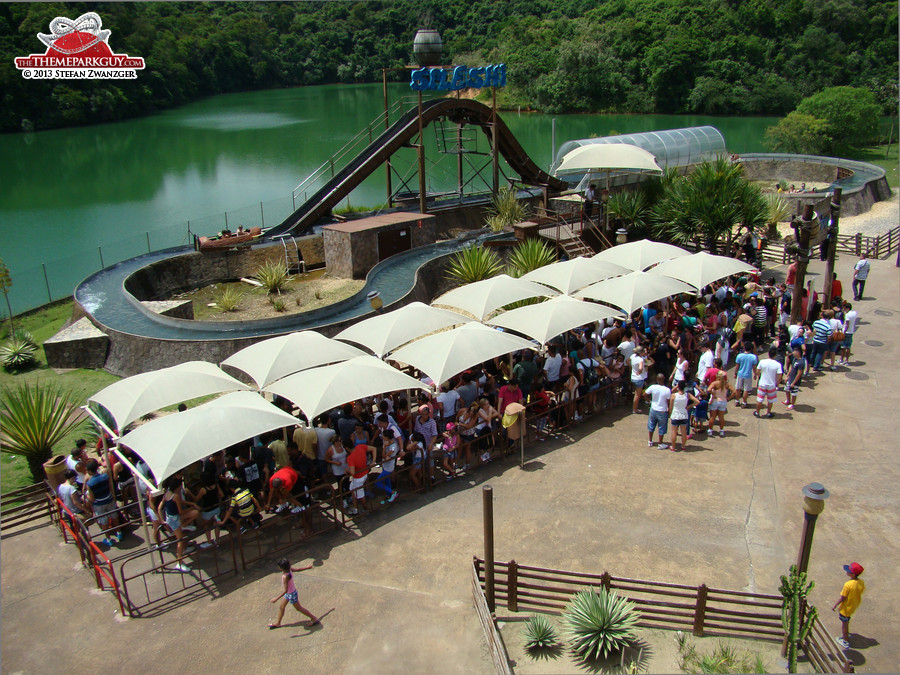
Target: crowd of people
column 684, row 345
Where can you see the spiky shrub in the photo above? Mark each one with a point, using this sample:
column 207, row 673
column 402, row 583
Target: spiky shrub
column 24, row 336
column 539, row 633
column 474, row 263
column 278, row 304
column 230, row 299
column 600, row 623
column 16, row 355
column 505, row 210
column 35, row 417
column 273, row 275
column 529, row 255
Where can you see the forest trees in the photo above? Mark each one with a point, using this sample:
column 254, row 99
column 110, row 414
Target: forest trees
column 672, row 56
column 830, row 122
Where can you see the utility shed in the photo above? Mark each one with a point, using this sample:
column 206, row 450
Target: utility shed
column 354, row 247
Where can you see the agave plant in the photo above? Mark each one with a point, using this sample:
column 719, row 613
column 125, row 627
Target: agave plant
column 34, row 419
column 474, row 263
column 273, row 275
column 230, row 299
column 529, row 255
column 505, row 210
column 540, row 634
column 24, row 336
column 632, row 208
column 16, row 354
column 600, row 623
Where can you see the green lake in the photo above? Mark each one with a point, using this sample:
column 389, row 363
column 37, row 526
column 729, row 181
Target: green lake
column 71, row 198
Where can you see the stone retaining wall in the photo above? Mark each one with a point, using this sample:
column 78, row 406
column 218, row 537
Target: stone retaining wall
column 132, row 354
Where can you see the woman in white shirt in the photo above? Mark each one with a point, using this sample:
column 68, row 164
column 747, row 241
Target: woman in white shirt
column 678, row 414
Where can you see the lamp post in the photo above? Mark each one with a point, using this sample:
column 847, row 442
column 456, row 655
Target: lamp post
column 814, row 496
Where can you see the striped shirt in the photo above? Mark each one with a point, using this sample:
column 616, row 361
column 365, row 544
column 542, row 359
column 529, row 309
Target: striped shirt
column 761, row 318
column 822, row 330
column 243, row 502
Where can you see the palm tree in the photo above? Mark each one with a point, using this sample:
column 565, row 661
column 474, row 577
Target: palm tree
column 474, row 263
column 706, row 204
column 632, row 208
column 35, row 418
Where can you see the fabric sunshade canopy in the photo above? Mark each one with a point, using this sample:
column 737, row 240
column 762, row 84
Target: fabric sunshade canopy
column 568, row 276
column 135, row 396
column 611, row 156
column 443, row 355
column 173, row 442
column 386, row 332
column 480, row 298
column 639, row 255
column 318, row 390
column 280, row 356
column 701, row 269
column 548, row 319
column 633, row 291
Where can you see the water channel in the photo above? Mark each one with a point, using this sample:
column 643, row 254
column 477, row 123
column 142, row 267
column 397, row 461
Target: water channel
column 73, row 199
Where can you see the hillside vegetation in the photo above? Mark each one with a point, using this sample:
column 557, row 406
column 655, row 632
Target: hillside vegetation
column 668, row 56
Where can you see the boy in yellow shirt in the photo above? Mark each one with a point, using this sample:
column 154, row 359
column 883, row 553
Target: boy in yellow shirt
column 851, row 596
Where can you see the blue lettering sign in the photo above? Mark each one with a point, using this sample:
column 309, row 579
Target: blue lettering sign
column 461, row 77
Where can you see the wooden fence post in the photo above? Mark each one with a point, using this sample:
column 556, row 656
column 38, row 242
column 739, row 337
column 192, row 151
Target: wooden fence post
column 858, row 243
column 700, row 611
column 487, row 493
column 512, row 581
column 605, row 579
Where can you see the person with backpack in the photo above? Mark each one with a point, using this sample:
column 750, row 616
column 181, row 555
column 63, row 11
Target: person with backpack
column 640, row 364
column 588, row 382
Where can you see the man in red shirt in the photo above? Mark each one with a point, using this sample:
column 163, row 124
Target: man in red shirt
column 358, row 466
column 509, row 393
column 280, row 485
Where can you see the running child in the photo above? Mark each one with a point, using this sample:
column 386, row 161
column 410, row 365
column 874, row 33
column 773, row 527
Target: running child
column 289, row 595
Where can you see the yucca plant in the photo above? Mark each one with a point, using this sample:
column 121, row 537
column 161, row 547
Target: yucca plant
column 474, row 263
column 273, row 275
column 529, row 255
column 632, row 208
column 24, row 336
column 777, row 211
column 600, row 623
column 505, row 210
column 35, row 417
column 16, row 355
column 230, row 299
column 278, row 303
column 540, row 634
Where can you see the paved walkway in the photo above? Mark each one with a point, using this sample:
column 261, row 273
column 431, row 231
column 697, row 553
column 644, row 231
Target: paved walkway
column 727, row 513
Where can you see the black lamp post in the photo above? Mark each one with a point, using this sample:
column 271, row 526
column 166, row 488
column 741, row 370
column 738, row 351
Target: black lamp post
column 814, row 496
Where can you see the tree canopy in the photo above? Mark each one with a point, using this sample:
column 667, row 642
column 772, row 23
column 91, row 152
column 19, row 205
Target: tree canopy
column 830, row 122
column 699, row 56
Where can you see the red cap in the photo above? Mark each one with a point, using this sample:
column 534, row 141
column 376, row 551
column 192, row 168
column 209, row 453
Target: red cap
column 854, row 568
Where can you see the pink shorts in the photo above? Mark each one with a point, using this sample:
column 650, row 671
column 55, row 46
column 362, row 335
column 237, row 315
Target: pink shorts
column 766, row 393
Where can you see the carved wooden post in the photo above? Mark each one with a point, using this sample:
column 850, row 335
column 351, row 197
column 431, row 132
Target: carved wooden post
column 802, row 233
column 832, row 245
column 700, row 610
column 512, row 582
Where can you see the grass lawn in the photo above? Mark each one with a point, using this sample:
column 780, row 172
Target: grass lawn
column 875, row 154
column 43, row 324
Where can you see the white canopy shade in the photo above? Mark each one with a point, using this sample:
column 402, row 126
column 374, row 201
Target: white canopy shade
column 548, row 319
column 480, row 298
column 443, row 355
column 569, row 275
column 639, row 255
column 633, row 291
column 388, row 331
column 612, row 156
column 280, row 356
column 173, row 442
column 701, row 269
column 318, row 390
column 135, row 396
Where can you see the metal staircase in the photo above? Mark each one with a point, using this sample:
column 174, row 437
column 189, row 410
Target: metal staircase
column 293, row 259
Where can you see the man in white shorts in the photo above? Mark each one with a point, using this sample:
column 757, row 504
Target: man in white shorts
column 769, row 372
column 659, row 395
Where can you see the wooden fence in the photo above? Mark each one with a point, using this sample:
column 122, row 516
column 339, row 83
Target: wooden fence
column 700, row 609
column 24, row 506
column 876, row 247
column 495, row 643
